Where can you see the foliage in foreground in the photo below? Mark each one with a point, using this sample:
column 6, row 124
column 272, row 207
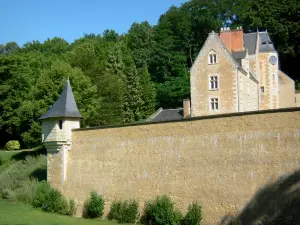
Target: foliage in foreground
column 49, row 199
column 193, row 216
column 18, row 213
column 19, row 178
column 161, row 211
column 124, row 211
column 94, row 206
column 23, row 179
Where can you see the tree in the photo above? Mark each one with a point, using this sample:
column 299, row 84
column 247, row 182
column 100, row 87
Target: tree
column 9, row 48
column 282, row 20
column 148, row 93
column 140, row 41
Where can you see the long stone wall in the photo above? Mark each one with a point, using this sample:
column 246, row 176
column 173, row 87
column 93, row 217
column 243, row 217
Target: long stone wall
column 220, row 161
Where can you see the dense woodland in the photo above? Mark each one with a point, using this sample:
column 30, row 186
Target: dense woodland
column 123, row 78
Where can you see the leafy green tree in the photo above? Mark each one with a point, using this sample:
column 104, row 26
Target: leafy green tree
column 9, row 48
column 148, row 93
column 171, row 93
column 51, row 82
column 110, row 35
column 140, row 41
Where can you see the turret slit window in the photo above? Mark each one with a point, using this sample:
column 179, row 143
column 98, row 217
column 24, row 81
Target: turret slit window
column 212, row 57
column 214, row 104
column 213, row 83
column 60, row 124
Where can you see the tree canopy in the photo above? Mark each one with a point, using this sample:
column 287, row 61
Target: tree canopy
column 125, row 78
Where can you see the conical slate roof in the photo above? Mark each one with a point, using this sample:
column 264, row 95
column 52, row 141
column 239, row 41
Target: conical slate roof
column 65, row 106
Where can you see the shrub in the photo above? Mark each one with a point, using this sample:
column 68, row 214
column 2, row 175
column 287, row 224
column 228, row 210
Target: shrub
column 72, row 208
column 115, row 210
column 8, row 194
column 19, row 176
column 161, row 212
column 12, row 145
column 193, row 216
column 49, row 199
column 24, row 193
column 129, row 212
column 94, row 206
column 124, row 212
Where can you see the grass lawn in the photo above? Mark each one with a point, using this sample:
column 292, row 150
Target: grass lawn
column 17, row 213
column 21, row 154
column 6, row 155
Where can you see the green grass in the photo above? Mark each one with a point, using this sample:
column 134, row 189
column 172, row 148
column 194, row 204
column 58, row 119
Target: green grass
column 21, row 154
column 7, row 155
column 17, row 213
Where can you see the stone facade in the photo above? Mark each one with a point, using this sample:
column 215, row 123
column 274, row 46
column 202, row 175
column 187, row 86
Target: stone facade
column 286, row 92
column 52, row 132
column 220, row 161
column 246, row 71
column 225, row 71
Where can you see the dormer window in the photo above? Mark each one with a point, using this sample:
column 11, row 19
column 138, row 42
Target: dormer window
column 212, row 57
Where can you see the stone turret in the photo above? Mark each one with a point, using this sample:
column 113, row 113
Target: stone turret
column 57, row 125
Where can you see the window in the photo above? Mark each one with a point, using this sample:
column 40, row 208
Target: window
column 214, row 104
column 262, row 89
column 60, row 124
column 212, row 57
column 213, row 83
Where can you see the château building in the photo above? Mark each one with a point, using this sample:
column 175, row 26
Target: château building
column 238, row 72
column 235, row 72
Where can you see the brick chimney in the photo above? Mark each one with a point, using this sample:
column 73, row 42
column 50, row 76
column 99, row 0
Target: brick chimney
column 186, row 108
column 232, row 39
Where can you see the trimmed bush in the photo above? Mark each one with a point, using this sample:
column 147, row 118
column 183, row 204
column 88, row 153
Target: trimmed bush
column 115, row 210
column 193, row 216
column 94, row 206
column 161, row 212
column 12, row 145
column 72, row 208
column 49, row 199
column 129, row 212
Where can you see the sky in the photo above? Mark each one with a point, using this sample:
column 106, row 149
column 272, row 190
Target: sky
column 27, row 20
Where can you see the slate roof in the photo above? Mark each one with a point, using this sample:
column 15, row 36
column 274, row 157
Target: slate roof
column 238, row 56
column 250, row 42
column 167, row 115
column 265, row 44
column 65, row 106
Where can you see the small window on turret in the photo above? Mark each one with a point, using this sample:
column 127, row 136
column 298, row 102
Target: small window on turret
column 60, row 124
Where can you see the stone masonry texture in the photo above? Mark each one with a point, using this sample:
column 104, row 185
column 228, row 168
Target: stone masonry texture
column 220, row 161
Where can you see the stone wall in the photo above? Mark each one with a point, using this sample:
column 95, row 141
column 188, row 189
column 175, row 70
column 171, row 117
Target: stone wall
column 220, row 161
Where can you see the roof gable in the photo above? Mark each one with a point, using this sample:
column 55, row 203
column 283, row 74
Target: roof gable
column 65, row 106
column 205, row 46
